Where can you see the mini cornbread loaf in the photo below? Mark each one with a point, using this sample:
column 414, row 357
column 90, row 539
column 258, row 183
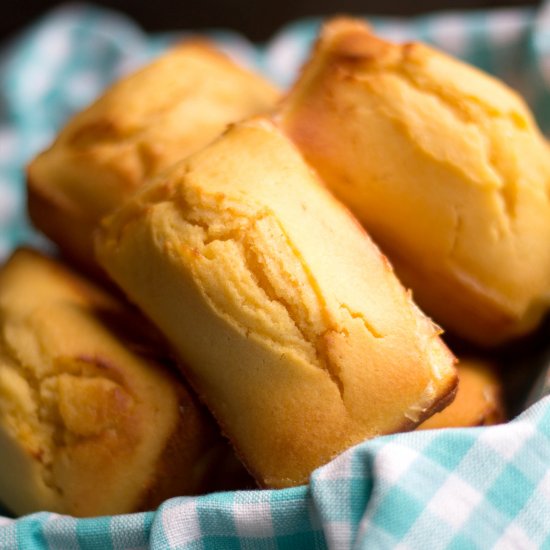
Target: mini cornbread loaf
column 444, row 166
column 478, row 401
column 144, row 123
column 91, row 423
column 295, row 331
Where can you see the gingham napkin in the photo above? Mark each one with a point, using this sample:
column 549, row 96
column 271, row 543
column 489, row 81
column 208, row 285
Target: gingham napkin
column 469, row 488
column 453, row 489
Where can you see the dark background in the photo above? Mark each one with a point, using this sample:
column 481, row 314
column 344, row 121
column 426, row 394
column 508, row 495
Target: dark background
column 258, row 19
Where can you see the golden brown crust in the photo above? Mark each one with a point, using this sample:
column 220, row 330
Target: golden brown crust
column 195, row 460
column 444, row 165
column 141, row 125
column 87, row 401
column 477, row 315
column 479, row 400
column 294, row 330
column 44, row 211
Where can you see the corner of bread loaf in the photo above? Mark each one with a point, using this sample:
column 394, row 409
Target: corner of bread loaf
column 443, row 385
column 343, row 25
column 111, row 229
column 350, row 39
column 199, row 44
column 347, row 40
column 447, row 395
column 343, row 44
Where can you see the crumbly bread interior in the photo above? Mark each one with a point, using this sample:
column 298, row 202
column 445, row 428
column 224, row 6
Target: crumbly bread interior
column 293, row 327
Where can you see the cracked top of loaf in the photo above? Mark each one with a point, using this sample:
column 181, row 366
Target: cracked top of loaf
column 141, row 125
column 88, row 413
column 294, row 329
column 443, row 164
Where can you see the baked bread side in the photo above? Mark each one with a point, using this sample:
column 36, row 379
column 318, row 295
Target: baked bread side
column 142, row 124
column 90, row 417
column 444, row 166
column 478, row 401
column 293, row 327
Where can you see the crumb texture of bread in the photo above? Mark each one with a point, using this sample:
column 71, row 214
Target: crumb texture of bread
column 141, row 125
column 443, row 164
column 87, row 413
column 293, row 327
column 478, row 401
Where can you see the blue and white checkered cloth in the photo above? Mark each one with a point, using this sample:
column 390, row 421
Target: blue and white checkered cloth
column 450, row 489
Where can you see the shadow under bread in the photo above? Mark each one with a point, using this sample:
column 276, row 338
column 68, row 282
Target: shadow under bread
column 521, row 365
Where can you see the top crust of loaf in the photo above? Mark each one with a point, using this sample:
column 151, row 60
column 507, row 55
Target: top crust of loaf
column 443, row 164
column 87, row 409
column 296, row 332
column 141, row 125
